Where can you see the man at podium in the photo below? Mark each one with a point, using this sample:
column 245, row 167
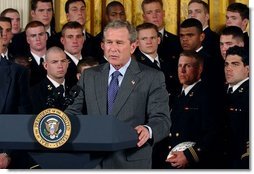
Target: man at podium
column 129, row 91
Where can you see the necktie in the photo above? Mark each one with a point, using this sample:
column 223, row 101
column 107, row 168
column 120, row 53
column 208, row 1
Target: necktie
column 230, row 90
column 41, row 61
column 182, row 93
column 60, row 90
column 112, row 90
column 155, row 63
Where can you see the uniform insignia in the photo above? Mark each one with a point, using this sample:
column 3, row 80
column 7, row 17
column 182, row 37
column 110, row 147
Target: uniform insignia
column 142, row 58
column 49, row 87
column 191, row 94
column 240, row 90
column 29, row 59
column 133, row 82
column 52, row 128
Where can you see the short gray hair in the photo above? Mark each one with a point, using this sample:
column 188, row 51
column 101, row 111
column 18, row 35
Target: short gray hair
column 122, row 24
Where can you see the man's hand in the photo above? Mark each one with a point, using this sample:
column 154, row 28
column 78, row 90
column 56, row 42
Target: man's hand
column 143, row 135
column 178, row 160
column 4, row 160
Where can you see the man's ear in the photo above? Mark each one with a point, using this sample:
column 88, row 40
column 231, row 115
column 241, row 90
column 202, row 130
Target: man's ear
column 133, row 46
column 102, row 45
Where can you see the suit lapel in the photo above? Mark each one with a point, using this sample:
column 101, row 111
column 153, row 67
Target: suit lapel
column 101, row 84
column 5, row 82
column 129, row 82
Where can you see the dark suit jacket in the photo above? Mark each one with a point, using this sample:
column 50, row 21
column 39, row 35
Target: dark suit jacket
column 237, row 121
column 40, row 94
column 211, row 43
column 246, row 41
column 14, row 87
column 70, row 76
column 37, row 73
column 141, row 99
column 170, row 46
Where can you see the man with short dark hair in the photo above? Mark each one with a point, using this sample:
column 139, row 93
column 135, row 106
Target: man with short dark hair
column 199, row 9
column 153, row 12
column 237, row 71
column 75, row 11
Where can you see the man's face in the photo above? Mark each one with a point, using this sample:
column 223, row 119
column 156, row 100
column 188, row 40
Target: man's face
column 117, row 46
column 197, row 11
column 188, row 70
column 37, row 38
column 153, row 13
column 190, row 38
column 73, row 40
column 116, row 13
column 227, row 41
column 56, row 65
column 7, row 34
column 43, row 13
column 148, row 41
column 15, row 21
column 235, row 19
column 77, row 12
column 235, row 71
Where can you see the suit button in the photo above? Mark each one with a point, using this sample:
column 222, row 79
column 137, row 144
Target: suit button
column 169, row 147
column 177, row 134
column 170, row 135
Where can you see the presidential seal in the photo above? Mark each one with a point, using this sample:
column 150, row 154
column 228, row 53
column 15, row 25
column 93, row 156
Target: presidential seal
column 52, row 128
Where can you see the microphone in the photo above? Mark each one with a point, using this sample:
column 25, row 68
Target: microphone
column 73, row 93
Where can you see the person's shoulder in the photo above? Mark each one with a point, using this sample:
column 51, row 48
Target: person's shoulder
column 170, row 35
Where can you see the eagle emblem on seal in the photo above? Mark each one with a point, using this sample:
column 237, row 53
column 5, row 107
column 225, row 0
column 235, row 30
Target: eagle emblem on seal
column 52, row 128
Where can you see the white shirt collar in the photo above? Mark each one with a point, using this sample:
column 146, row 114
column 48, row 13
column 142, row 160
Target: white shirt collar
column 73, row 58
column 56, row 84
column 49, row 31
column 234, row 87
column 188, row 88
column 200, row 48
column 37, row 58
column 152, row 59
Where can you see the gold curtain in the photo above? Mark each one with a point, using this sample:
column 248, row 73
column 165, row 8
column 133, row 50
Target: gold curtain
column 175, row 10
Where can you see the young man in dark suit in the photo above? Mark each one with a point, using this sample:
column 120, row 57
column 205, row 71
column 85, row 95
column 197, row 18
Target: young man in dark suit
column 199, row 9
column 72, row 40
column 148, row 41
column 50, row 92
column 237, row 71
column 129, row 91
column 36, row 38
column 75, row 10
column 153, row 12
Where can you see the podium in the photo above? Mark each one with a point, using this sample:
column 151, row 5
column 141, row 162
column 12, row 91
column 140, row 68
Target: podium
column 92, row 137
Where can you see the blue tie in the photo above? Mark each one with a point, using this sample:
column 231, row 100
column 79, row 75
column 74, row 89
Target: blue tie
column 112, row 90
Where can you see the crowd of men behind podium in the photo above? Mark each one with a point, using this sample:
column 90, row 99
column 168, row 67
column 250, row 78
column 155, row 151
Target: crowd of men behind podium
column 46, row 65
